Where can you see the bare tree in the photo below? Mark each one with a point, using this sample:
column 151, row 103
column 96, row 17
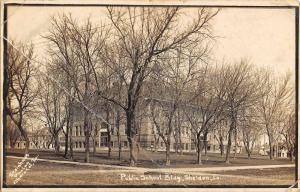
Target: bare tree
column 289, row 134
column 70, row 102
column 272, row 107
column 220, row 132
column 177, row 133
column 207, row 109
column 119, row 119
column 53, row 106
column 174, row 79
column 13, row 133
column 22, row 92
column 250, row 128
column 78, row 47
column 243, row 89
column 140, row 35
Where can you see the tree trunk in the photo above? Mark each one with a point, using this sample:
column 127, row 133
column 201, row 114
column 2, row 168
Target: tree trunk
column 133, row 144
column 108, row 133
column 291, row 154
column 87, row 149
column 5, row 85
column 26, row 144
column 132, row 137
column 180, row 142
column 109, row 145
column 271, row 149
column 94, row 147
column 231, row 129
column 247, row 148
column 71, row 129
column 168, row 158
column 56, row 143
column 12, row 145
column 87, row 136
column 205, row 143
column 221, row 146
column 222, row 149
column 66, row 142
column 71, row 142
column 118, row 133
column 199, row 151
column 8, row 139
column 24, row 134
column 120, row 147
column 228, row 147
column 235, row 143
column 176, row 142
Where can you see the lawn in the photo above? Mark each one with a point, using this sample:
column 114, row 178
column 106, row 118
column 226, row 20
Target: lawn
column 150, row 159
column 49, row 173
column 45, row 173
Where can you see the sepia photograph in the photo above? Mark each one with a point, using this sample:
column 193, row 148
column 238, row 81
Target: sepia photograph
column 149, row 95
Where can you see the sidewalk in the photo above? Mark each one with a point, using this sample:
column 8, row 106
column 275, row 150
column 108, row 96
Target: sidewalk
column 231, row 168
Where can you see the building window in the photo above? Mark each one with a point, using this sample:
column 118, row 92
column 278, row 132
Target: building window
column 76, row 130
column 104, row 139
column 75, row 144
column 193, row 146
column 125, row 143
column 162, row 144
column 103, row 125
column 79, row 144
column 187, row 146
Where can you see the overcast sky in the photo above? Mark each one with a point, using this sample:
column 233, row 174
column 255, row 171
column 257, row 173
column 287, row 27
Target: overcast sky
column 265, row 36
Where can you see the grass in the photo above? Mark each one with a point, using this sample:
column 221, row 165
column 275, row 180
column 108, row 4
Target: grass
column 150, row 159
column 283, row 173
column 46, row 173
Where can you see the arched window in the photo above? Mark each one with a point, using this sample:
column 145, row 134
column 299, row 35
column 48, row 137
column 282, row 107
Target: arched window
column 79, row 144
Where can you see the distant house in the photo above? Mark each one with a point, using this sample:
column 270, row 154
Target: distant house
column 279, row 150
column 38, row 139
